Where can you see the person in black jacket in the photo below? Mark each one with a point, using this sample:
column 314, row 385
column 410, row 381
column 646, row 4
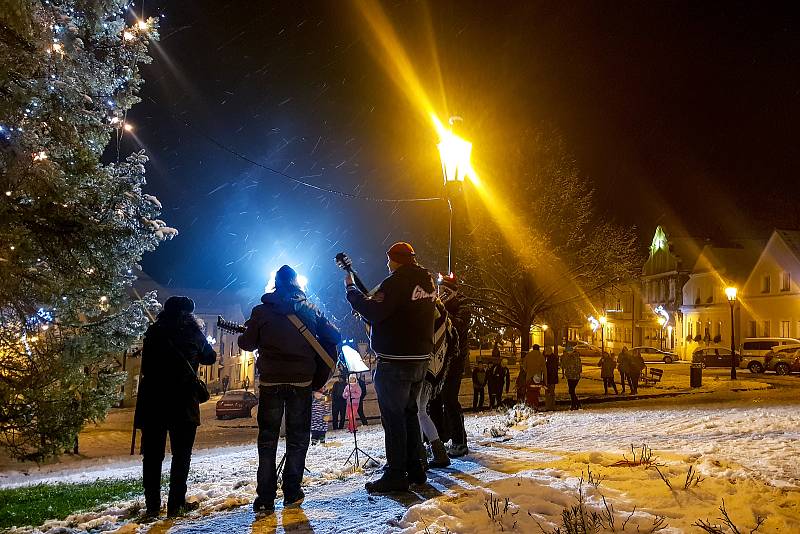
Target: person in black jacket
column 459, row 312
column 173, row 348
column 498, row 375
column 401, row 312
column 286, row 365
column 338, row 404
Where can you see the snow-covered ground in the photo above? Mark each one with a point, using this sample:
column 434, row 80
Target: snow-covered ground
column 746, row 453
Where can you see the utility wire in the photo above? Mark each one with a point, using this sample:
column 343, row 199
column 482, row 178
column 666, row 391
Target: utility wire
column 247, row 159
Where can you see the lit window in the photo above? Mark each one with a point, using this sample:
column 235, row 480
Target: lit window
column 786, row 281
column 784, row 328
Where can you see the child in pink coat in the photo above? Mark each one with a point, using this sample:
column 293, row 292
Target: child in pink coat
column 352, row 394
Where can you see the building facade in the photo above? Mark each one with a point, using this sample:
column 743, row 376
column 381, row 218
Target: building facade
column 706, row 309
column 770, row 296
column 664, row 274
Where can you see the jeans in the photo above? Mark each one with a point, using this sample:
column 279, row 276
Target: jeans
column 477, row 398
column 633, row 382
column 623, row 380
column 272, row 402
column 495, row 398
column 609, row 382
column 339, row 409
column 154, row 442
column 572, row 383
column 453, row 427
column 397, row 385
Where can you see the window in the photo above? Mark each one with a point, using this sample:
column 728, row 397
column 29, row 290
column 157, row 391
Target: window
column 765, row 284
column 672, row 289
column 752, row 330
column 786, row 281
column 784, row 328
column 691, row 328
column 719, row 328
column 765, row 329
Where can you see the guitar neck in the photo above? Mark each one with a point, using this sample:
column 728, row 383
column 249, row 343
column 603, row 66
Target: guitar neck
column 229, row 326
column 359, row 284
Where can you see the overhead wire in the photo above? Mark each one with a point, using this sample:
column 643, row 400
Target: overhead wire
column 201, row 133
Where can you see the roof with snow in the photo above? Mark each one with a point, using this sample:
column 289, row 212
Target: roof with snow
column 792, row 240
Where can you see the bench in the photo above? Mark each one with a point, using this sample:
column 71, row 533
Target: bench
column 653, row 378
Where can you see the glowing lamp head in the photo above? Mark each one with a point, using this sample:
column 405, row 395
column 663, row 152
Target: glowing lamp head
column 603, row 320
column 661, row 321
column 143, row 25
column 730, row 292
column 455, row 155
column 128, row 127
column 545, row 327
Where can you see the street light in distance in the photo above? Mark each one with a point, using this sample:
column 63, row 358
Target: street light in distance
column 730, row 293
column 603, row 320
column 661, row 323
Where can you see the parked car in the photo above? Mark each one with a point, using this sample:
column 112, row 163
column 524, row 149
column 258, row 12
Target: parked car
column 236, row 403
column 585, row 350
column 754, row 349
column 713, row 356
column 783, row 359
column 652, row 354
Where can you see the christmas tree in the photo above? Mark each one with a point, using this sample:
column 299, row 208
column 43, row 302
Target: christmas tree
column 73, row 225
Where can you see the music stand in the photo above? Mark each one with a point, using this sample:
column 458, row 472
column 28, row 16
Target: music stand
column 353, row 364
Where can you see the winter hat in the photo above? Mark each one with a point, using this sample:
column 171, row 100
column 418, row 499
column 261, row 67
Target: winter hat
column 402, row 253
column 286, row 276
column 176, row 305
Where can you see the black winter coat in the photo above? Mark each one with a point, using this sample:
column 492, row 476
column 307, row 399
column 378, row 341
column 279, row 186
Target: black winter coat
column 497, row 376
column 284, row 355
column 165, row 396
column 401, row 313
column 460, row 315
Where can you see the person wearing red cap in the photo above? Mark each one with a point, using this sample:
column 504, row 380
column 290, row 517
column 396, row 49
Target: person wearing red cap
column 401, row 312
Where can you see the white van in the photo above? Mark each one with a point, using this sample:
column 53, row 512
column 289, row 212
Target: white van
column 753, row 350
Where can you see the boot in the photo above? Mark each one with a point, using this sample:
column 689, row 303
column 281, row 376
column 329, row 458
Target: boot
column 387, row 484
column 440, row 458
column 423, row 456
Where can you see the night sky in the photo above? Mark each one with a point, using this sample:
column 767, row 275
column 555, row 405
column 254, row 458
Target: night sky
column 679, row 114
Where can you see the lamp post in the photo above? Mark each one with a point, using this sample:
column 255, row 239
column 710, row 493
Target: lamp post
column 455, row 155
column 603, row 320
column 661, row 323
column 544, row 336
column 730, row 292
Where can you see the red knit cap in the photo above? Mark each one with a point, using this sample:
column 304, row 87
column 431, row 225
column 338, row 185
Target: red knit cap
column 402, row 253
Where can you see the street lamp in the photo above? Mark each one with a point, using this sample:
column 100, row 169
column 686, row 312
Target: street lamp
column 730, row 292
column 455, row 155
column 661, row 323
column 603, row 320
column 544, row 336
